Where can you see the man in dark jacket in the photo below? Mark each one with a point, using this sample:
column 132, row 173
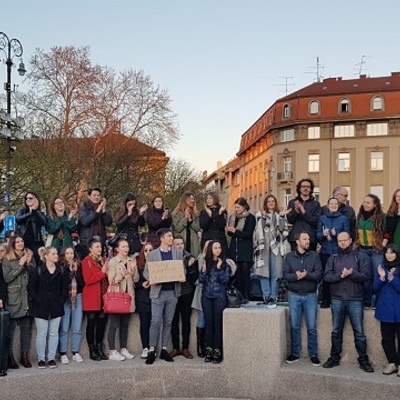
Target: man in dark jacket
column 304, row 213
column 302, row 271
column 347, row 272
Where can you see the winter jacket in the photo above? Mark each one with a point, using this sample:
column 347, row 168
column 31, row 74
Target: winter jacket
column 3, row 286
column 131, row 229
column 36, row 219
column 331, row 221
column 347, row 211
column 48, row 292
column 155, row 222
column 351, row 287
column 216, row 282
column 213, row 227
column 306, row 222
column 180, row 225
column 241, row 245
column 310, row 262
column 67, row 226
column 142, row 299
column 388, row 297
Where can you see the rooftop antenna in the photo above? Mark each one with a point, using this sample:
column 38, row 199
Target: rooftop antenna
column 361, row 65
column 317, row 71
column 286, row 84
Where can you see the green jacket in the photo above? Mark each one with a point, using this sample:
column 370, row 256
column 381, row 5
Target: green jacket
column 179, row 225
column 67, row 226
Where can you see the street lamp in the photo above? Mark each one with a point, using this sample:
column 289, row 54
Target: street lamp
column 10, row 127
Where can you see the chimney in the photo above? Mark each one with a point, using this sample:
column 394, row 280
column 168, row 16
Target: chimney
column 363, row 76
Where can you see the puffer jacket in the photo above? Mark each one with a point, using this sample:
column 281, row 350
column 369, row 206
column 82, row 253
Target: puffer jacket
column 330, row 221
column 216, row 282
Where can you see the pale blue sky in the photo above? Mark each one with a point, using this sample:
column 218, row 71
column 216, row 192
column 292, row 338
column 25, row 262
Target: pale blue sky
column 220, row 60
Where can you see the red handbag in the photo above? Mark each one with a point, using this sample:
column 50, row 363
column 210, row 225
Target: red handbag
column 117, row 302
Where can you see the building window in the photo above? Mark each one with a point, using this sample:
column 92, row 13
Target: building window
column 287, row 135
column 343, row 162
column 286, row 111
column 344, row 131
column 314, row 132
column 344, row 106
column 313, row 163
column 287, row 196
column 316, row 193
column 287, row 164
column 377, row 103
column 377, row 191
column 377, row 129
column 313, row 107
column 376, row 160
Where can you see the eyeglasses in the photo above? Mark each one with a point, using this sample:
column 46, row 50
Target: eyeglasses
column 344, row 195
column 306, row 186
column 343, row 240
column 29, row 198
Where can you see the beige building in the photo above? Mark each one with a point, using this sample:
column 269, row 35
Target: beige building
column 336, row 132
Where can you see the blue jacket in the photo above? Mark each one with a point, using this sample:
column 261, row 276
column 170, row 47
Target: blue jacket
column 215, row 284
column 388, row 297
column 331, row 220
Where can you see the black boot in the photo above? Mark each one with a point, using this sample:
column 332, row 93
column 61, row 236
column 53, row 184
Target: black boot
column 100, row 351
column 12, row 364
column 201, row 346
column 217, row 356
column 209, row 354
column 25, row 360
column 93, row 354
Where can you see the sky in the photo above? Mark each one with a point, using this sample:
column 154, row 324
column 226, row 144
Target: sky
column 223, row 62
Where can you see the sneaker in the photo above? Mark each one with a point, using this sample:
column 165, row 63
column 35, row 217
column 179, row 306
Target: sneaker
column 366, row 366
column 151, row 357
column 330, row 363
column 125, row 353
column 52, row 364
column 77, row 358
column 325, row 304
column 315, row 361
column 291, row 359
column 41, row 365
column 145, row 353
column 390, row 369
column 115, row 356
column 165, row 356
column 64, row 359
column 271, row 303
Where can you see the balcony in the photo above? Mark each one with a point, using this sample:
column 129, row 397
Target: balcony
column 284, row 176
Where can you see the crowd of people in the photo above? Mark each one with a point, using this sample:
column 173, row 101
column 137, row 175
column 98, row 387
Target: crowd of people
column 325, row 257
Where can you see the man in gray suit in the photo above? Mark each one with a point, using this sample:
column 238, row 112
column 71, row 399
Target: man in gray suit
column 163, row 297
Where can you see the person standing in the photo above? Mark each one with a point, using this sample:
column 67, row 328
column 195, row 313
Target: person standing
column 302, row 270
column 157, row 217
column 347, row 273
column 304, row 213
column 392, row 225
column 163, row 297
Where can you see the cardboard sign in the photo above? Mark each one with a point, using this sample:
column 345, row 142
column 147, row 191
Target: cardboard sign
column 166, row 271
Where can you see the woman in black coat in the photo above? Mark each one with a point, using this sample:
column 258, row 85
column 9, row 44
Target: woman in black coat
column 157, row 217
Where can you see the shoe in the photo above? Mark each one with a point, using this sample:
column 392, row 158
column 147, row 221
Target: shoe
column 201, row 348
column 325, row 304
column 330, row 363
column 366, row 366
column 145, row 353
column 52, row 364
column 165, row 356
column 25, row 360
column 390, row 369
column 93, row 354
column 315, row 361
column 115, row 356
column 291, row 359
column 77, row 358
column 3, row 372
column 209, row 355
column 245, row 301
column 217, row 358
column 271, row 303
column 12, row 364
column 64, row 359
column 187, row 354
column 100, row 351
column 367, row 306
column 174, row 353
column 41, row 365
column 125, row 353
column 151, row 357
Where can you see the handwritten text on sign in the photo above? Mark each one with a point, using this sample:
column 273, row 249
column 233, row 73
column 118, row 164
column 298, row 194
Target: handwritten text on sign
column 166, row 271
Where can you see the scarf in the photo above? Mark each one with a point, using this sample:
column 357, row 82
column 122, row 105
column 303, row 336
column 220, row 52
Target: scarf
column 73, row 290
column 238, row 220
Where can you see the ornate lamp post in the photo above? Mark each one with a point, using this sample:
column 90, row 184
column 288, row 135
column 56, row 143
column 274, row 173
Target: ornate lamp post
column 10, row 130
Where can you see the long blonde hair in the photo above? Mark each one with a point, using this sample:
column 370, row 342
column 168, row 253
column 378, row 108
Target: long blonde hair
column 181, row 207
column 11, row 254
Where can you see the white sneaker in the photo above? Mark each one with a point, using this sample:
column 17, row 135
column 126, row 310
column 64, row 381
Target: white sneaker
column 64, row 359
column 125, row 353
column 77, row 357
column 145, row 353
column 115, row 356
column 390, row 369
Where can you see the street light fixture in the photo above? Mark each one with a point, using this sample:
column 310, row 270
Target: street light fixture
column 11, row 130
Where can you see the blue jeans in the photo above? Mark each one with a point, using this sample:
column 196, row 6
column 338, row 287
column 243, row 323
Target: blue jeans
column 44, row 327
column 374, row 260
column 270, row 285
column 355, row 310
column 201, row 321
column 75, row 316
column 307, row 304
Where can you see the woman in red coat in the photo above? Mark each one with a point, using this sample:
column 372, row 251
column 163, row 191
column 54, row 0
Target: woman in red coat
column 94, row 271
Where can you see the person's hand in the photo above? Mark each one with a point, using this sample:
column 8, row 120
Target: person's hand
column 1, row 304
column 346, row 272
column 104, row 202
column 333, row 232
column 165, row 214
column 325, row 232
column 283, row 213
column 3, row 215
column 391, row 273
column 74, row 266
column 105, row 267
column 191, row 261
column 208, row 210
column 73, row 213
column 301, row 208
column 204, row 267
column 381, row 272
column 23, row 260
column 301, row 274
column 130, row 209
column 35, row 205
column 230, row 228
column 143, row 209
column 219, row 263
column 222, row 209
column 146, row 284
column 188, row 215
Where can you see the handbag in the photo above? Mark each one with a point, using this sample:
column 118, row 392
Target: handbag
column 234, row 299
column 117, row 302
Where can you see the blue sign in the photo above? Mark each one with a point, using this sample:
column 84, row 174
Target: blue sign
column 9, row 224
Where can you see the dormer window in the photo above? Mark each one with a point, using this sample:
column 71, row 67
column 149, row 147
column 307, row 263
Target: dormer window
column 286, row 111
column 344, row 106
column 377, row 103
column 313, row 107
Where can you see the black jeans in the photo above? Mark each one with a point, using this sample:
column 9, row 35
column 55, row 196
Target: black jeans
column 184, row 309
column 96, row 322
column 120, row 321
column 25, row 326
column 213, row 310
column 242, row 278
column 389, row 331
column 145, row 320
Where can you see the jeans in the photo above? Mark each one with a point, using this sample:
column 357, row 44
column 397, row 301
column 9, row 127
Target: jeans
column 184, row 310
column 270, row 285
column 145, row 320
column 201, row 321
column 355, row 310
column 120, row 321
column 25, row 326
column 43, row 328
column 374, row 260
column 75, row 316
column 307, row 304
column 213, row 310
